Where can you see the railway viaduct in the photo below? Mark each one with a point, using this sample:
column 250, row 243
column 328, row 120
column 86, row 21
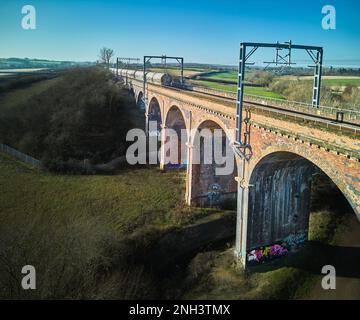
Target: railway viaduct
column 272, row 188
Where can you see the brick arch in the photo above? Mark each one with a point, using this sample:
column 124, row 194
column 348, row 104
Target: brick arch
column 175, row 119
column 197, row 122
column 139, row 102
column 154, row 110
column 317, row 159
column 173, row 107
column 138, row 94
column 159, row 99
column 208, row 188
column 153, row 126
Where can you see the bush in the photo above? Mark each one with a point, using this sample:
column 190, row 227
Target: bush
column 83, row 115
column 301, row 91
column 279, row 86
column 260, row 78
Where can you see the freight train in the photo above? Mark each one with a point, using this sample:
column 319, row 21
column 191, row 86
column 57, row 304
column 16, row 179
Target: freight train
column 163, row 79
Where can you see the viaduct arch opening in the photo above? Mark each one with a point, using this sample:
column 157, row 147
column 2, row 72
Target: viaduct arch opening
column 154, row 127
column 140, row 101
column 154, row 114
column 210, row 189
column 175, row 121
column 284, row 189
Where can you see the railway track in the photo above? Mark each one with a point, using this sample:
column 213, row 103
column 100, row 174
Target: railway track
column 343, row 125
column 269, row 108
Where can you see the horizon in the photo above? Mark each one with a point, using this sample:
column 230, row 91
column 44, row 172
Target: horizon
column 203, row 34
column 157, row 64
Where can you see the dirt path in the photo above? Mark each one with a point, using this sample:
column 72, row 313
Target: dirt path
column 346, row 287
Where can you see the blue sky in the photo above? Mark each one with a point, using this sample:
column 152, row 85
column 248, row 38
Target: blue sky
column 201, row 31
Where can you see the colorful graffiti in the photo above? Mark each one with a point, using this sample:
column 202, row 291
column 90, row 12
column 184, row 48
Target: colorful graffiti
column 294, row 240
column 214, row 194
column 172, row 166
column 268, row 253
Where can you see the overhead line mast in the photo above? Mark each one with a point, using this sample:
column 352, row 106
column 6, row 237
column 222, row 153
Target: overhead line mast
column 164, row 59
column 128, row 61
column 316, row 55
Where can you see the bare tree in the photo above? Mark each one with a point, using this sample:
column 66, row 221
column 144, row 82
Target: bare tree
column 105, row 56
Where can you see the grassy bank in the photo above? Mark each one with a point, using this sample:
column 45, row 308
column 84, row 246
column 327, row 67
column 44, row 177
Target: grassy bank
column 73, row 229
column 119, row 199
column 81, row 114
column 21, row 95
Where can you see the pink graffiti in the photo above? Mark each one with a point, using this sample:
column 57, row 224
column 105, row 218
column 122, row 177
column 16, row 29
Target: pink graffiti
column 263, row 253
column 277, row 250
column 258, row 255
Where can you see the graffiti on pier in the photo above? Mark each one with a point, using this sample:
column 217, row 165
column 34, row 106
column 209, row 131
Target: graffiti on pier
column 295, row 240
column 280, row 249
column 172, row 166
column 214, row 194
column 264, row 254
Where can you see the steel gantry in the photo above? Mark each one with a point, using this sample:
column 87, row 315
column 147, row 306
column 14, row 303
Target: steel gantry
column 164, row 59
column 315, row 53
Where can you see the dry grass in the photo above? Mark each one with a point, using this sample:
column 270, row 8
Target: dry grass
column 20, row 96
column 73, row 229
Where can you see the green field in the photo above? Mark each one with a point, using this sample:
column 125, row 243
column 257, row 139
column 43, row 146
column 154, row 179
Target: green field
column 188, row 72
column 224, row 76
column 326, row 81
column 259, row 91
column 217, row 81
column 341, row 82
column 25, row 63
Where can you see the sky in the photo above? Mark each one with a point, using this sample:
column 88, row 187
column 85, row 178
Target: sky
column 200, row 31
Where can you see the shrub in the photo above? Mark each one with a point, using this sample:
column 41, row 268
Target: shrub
column 83, row 115
column 261, row 78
